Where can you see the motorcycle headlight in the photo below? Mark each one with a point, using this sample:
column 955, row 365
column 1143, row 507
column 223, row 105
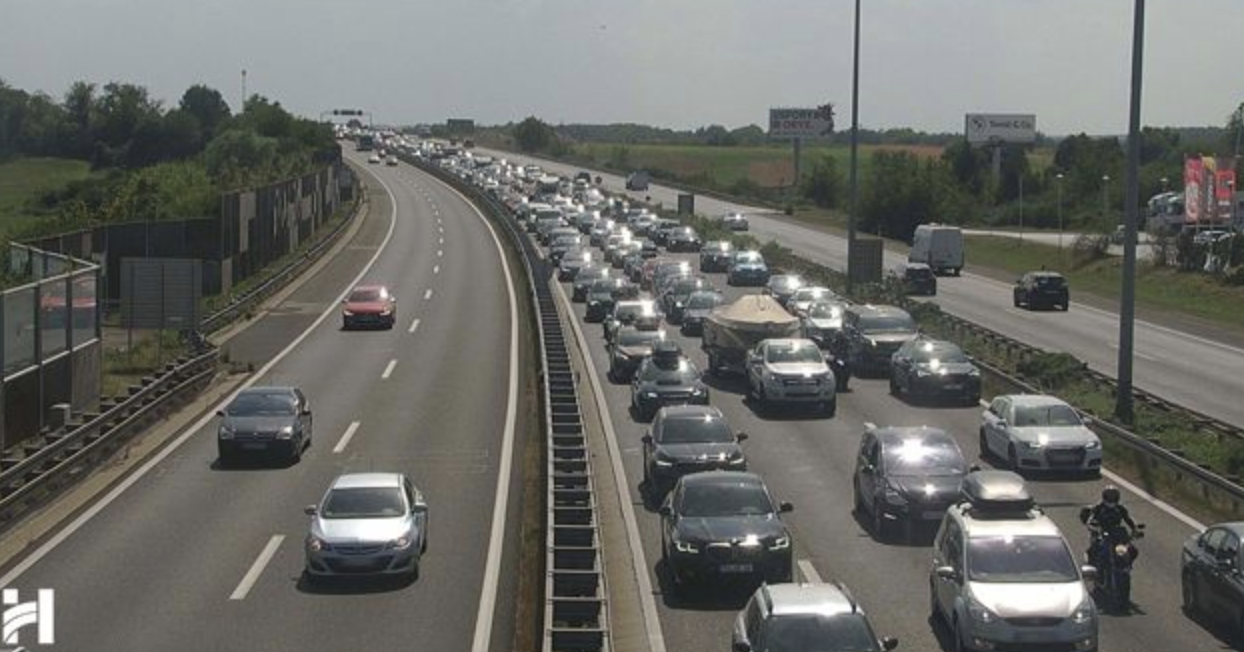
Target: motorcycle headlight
column 1085, row 613
column 687, row 547
column 980, row 613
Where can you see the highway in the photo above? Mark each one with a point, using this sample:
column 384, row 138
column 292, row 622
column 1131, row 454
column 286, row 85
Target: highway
column 809, row 461
column 1194, row 367
column 197, row 558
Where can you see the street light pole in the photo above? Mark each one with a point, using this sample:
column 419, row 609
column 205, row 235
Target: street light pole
column 1059, row 178
column 1124, row 408
column 1021, row 209
column 855, row 137
column 1105, row 200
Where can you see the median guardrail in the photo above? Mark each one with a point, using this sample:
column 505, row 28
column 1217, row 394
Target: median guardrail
column 576, row 607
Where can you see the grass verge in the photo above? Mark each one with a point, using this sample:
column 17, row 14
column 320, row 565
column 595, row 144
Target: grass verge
column 24, row 180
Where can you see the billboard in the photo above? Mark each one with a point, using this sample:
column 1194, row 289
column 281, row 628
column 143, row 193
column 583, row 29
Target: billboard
column 983, row 128
column 460, row 125
column 804, row 124
column 1209, row 184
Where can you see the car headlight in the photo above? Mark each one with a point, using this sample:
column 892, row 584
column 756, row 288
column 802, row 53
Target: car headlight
column 315, row 544
column 386, row 311
column 650, row 394
column 980, row 613
column 225, row 432
column 1034, row 445
column 686, row 547
column 347, row 313
column 1092, row 445
column 780, row 543
column 286, row 432
column 1085, row 613
column 974, row 371
column 737, row 458
column 400, row 543
column 923, row 373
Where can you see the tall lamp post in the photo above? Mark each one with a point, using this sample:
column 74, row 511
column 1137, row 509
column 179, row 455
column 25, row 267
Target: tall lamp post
column 855, row 133
column 1059, row 179
column 1105, row 200
column 1124, row 408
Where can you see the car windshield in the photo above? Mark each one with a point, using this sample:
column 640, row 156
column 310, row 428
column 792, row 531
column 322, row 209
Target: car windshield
column 606, row 286
column 725, row 499
column 631, row 311
column 887, row 324
column 717, row 247
column 936, row 353
column 259, row 404
column 633, row 337
column 592, row 273
column 1045, row 415
column 704, row 300
column 363, row 296
column 802, row 352
column 705, row 429
column 749, row 257
column 923, row 458
column 1020, row 559
column 825, row 311
column 785, row 283
column 817, row 633
column 364, row 502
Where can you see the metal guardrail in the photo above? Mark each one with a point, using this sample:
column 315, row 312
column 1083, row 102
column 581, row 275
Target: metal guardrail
column 576, row 609
column 66, row 450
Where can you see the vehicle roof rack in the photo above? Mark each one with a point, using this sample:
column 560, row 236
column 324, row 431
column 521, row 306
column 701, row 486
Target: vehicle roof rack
column 999, row 494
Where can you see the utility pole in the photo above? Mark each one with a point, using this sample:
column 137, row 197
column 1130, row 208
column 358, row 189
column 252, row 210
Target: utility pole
column 855, row 137
column 1124, row 408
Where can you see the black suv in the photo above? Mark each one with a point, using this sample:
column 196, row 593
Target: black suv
column 724, row 525
column 929, row 368
column 873, row 334
column 689, row 439
column 715, row 256
column 666, row 377
column 1036, row 289
column 907, row 477
column 916, row 278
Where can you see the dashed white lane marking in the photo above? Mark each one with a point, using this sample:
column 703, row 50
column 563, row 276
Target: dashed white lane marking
column 1142, row 356
column 442, row 241
column 809, row 571
column 346, row 437
column 439, row 253
column 436, row 269
column 414, row 326
column 388, row 370
column 256, row 568
column 428, row 294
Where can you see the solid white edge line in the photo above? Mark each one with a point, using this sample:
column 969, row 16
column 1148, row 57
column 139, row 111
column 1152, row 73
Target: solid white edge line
column 256, row 569
column 1162, row 505
column 42, row 551
column 346, row 437
column 652, row 620
column 428, row 294
column 388, row 369
column 414, row 326
column 809, row 572
column 496, row 540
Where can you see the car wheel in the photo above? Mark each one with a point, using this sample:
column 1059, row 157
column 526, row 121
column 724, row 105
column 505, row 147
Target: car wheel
column 830, row 408
column 894, row 391
column 1188, row 587
column 1015, row 300
column 1066, row 305
column 959, row 644
column 859, row 500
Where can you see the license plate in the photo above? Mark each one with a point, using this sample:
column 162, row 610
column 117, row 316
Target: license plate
column 254, row 446
column 1031, row 637
column 736, row 568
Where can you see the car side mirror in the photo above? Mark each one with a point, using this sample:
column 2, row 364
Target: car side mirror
column 220, row 413
column 310, row 510
column 974, row 468
column 889, row 643
column 1001, row 422
column 947, row 573
column 420, row 506
column 741, row 437
column 742, row 646
column 785, row 507
column 1088, row 421
column 665, row 510
column 647, row 439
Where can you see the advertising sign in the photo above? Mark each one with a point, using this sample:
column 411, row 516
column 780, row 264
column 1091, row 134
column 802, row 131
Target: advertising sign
column 982, row 128
column 802, row 123
column 1224, row 189
column 1193, row 192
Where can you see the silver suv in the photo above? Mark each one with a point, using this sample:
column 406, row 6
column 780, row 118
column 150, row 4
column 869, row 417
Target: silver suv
column 791, row 371
column 796, row 617
column 1003, row 576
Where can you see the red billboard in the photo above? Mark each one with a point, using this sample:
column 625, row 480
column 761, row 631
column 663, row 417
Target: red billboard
column 1224, row 189
column 1209, row 187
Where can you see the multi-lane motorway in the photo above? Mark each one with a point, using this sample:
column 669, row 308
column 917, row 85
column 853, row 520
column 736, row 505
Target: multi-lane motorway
column 1191, row 365
column 192, row 556
column 809, row 460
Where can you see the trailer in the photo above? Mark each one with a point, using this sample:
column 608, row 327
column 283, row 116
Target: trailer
column 732, row 330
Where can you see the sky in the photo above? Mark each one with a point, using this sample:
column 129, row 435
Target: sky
column 670, row 63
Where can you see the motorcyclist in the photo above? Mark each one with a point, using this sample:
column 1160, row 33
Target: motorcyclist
column 1106, row 522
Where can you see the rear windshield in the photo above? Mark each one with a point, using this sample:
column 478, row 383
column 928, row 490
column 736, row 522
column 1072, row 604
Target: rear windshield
column 638, row 337
column 887, row 323
column 1051, row 282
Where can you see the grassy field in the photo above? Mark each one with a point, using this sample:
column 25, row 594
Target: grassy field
column 25, row 179
column 1161, row 289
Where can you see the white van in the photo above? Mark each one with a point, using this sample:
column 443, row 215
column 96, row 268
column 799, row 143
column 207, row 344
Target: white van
column 939, row 247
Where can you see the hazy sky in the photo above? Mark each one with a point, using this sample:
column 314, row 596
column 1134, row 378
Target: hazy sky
column 675, row 63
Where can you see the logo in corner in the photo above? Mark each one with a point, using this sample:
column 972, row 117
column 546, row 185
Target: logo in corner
column 40, row 612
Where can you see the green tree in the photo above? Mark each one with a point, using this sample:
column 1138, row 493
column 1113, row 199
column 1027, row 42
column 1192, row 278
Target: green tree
column 823, row 185
column 533, row 135
column 208, row 106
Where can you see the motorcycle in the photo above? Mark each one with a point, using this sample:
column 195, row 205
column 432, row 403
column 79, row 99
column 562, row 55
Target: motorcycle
column 1114, row 555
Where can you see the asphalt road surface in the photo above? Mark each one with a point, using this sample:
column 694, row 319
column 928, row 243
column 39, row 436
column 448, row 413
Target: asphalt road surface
column 194, row 557
column 809, row 460
column 1196, row 371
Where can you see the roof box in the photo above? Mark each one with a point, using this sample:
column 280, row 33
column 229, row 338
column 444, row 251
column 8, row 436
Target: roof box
column 997, row 492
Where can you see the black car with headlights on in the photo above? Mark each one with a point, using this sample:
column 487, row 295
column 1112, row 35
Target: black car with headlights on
column 628, row 348
column 603, row 294
column 267, row 421
column 715, row 256
column 689, row 439
column 572, row 262
column 782, row 286
column 906, row 477
column 683, row 238
column 724, row 526
column 675, row 295
column 929, row 368
column 698, row 306
column 873, row 334
column 584, row 280
column 748, row 268
column 640, row 313
column 664, row 378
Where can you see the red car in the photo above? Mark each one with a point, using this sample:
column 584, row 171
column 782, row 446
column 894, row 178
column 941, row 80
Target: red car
column 369, row 305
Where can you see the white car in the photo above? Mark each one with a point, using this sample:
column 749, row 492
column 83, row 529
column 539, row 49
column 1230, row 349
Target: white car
column 391, row 161
column 791, row 371
column 374, row 159
column 1038, row 432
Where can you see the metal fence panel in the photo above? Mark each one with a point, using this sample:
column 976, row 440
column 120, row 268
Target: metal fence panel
column 53, row 316
column 85, row 288
column 19, row 329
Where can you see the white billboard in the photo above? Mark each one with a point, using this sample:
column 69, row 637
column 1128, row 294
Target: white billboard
column 984, row 128
column 802, row 123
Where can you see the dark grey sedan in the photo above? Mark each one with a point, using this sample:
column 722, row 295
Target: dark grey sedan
column 689, row 439
column 265, row 420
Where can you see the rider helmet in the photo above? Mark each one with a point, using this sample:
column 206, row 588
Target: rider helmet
column 1110, row 495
